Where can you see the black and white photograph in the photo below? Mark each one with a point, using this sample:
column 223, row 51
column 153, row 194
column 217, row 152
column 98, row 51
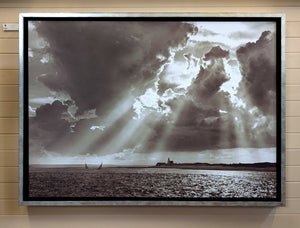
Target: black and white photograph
column 152, row 109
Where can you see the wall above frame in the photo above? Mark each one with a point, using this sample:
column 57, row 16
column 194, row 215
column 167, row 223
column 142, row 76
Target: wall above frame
column 152, row 109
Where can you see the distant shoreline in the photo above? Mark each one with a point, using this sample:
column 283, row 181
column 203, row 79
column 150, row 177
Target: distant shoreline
column 265, row 166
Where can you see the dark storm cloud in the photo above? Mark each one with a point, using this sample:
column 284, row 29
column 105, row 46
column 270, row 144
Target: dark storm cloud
column 50, row 131
column 209, row 80
column 193, row 115
column 258, row 67
column 189, row 54
column 47, row 129
column 200, row 125
column 199, row 48
column 99, row 62
column 216, row 52
column 199, row 129
column 163, row 86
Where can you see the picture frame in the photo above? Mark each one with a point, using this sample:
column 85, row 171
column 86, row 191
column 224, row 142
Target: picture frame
column 158, row 109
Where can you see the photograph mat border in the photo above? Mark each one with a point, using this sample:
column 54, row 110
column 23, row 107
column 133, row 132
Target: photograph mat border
column 22, row 96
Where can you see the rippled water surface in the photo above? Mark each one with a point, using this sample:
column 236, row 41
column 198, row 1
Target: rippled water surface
column 150, row 182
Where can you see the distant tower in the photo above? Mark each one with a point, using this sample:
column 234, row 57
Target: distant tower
column 170, row 162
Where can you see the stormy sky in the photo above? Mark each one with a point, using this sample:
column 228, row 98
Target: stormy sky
column 138, row 92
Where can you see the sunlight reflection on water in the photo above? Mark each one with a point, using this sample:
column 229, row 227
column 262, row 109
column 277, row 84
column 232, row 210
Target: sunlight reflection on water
column 191, row 171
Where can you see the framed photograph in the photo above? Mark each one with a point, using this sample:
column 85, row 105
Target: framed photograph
column 152, row 109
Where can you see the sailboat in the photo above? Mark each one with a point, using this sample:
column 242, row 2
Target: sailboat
column 100, row 166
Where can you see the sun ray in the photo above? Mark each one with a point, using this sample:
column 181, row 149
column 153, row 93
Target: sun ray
column 120, row 139
column 85, row 139
column 170, row 126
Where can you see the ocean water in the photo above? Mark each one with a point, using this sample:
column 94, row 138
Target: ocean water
column 152, row 183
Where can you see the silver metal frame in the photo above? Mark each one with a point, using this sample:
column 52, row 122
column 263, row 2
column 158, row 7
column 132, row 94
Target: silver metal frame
column 148, row 203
